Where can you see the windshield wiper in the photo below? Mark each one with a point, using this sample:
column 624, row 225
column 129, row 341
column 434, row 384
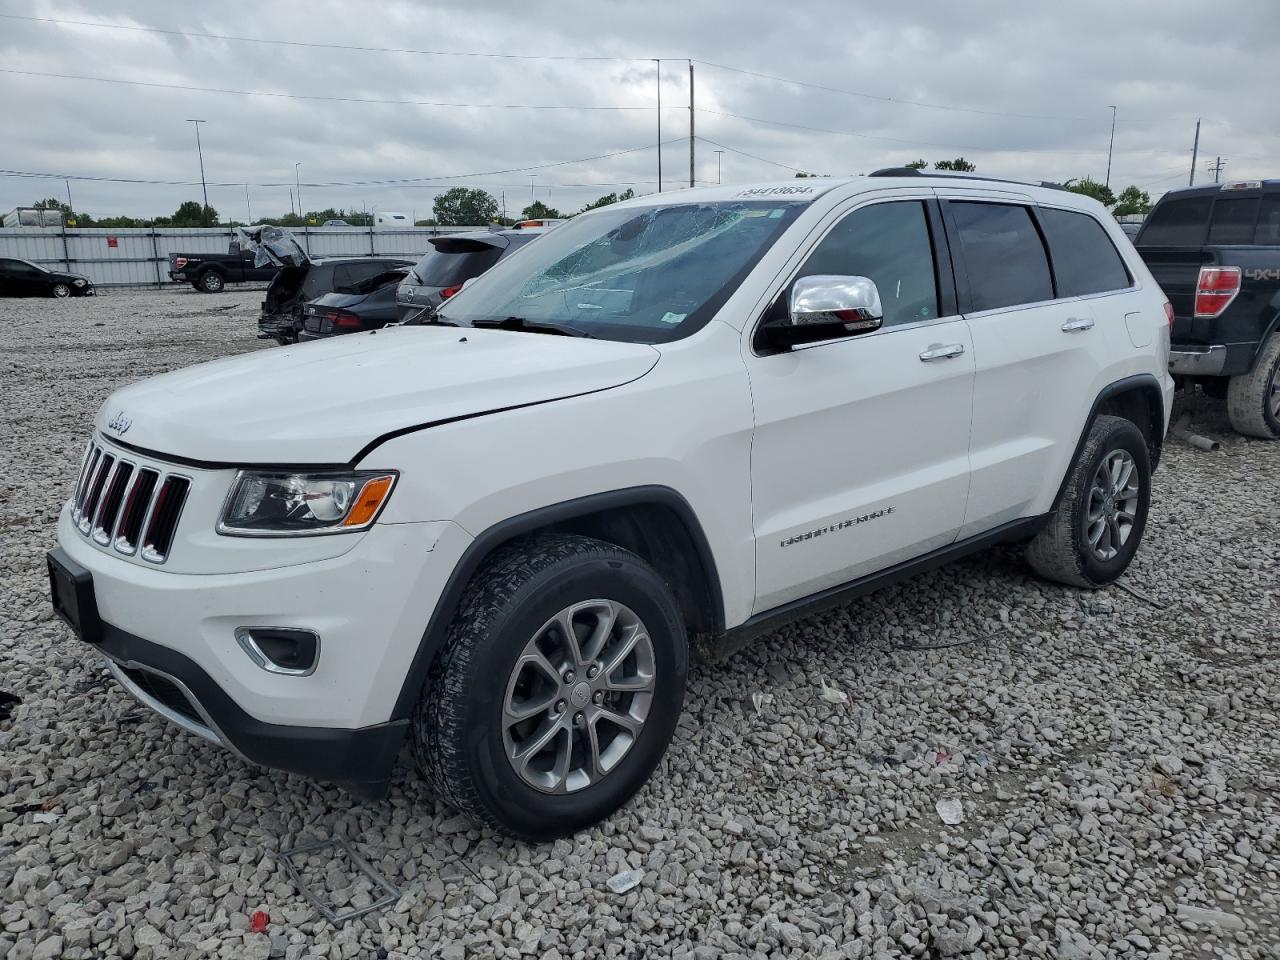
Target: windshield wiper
column 531, row 326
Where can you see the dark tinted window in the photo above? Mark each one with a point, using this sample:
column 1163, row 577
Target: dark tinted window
column 1084, row 258
column 1268, row 231
column 1233, row 220
column 1003, row 254
column 1177, row 223
column 889, row 244
column 455, row 261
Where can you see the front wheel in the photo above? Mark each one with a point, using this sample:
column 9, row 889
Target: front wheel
column 1098, row 521
column 1253, row 398
column 61, row 291
column 558, row 689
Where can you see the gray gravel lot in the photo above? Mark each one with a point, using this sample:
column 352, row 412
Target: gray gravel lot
column 1114, row 755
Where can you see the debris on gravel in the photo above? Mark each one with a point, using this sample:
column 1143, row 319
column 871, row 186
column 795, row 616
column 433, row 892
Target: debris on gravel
column 1119, row 771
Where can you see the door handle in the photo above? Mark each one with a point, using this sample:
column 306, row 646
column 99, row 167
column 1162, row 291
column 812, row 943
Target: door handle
column 1078, row 325
column 942, row 352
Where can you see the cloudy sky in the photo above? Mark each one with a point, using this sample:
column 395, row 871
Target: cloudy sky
column 1022, row 89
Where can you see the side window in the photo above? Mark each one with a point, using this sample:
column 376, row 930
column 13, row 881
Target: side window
column 1084, row 258
column 1003, row 254
column 342, row 278
column 1268, row 232
column 1233, row 220
column 1177, row 223
column 888, row 243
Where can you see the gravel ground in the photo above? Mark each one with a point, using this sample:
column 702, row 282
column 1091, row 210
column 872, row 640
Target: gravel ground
column 1113, row 755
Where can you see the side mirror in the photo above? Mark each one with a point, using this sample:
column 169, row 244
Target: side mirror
column 825, row 308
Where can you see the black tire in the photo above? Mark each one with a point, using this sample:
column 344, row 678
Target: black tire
column 458, row 735
column 61, row 291
column 1253, row 398
column 211, row 281
column 1061, row 551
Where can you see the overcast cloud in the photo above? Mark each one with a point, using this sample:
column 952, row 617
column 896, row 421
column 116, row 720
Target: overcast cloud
column 1163, row 63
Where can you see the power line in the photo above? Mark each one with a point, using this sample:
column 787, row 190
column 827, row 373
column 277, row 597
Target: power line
column 307, row 96
column 752, row 156
column 912, row 143
column 391, row 182
column 884, row 99
column 315, row 45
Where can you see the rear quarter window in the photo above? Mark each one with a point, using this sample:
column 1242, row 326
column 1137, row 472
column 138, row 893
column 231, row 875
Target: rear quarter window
column 1177, row 223
column 1084, row 258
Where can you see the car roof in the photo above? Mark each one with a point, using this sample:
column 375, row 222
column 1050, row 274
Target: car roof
column 808, row 189
column 1227, row 188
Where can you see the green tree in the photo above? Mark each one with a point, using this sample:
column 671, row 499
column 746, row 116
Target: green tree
column 53, row 203
column 917, row 165
column 191, row 214
column 959, row 164
column 1092, row 188
column 464, row 207
column 803, row 174
column 609, row 198
column 540, row 211
column 1132, row 201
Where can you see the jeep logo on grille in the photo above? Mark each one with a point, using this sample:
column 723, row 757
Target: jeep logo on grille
column 120, row 423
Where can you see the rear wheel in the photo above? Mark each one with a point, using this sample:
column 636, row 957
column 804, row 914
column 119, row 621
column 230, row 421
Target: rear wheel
column 211, row 281
column 558, row 690
column 61, row 291
column 1098, row 521
column 1253, row 398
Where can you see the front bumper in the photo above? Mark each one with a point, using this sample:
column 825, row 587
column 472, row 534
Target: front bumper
column 172, row 637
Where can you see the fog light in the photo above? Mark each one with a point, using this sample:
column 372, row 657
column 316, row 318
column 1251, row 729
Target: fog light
column 284, row 650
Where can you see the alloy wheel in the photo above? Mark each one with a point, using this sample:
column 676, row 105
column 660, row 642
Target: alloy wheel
column 578, row 696
column 1112, row 508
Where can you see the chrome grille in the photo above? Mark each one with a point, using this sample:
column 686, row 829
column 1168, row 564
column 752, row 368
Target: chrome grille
column 128, row 507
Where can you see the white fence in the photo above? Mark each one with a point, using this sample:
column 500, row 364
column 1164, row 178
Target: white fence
column 140, row 256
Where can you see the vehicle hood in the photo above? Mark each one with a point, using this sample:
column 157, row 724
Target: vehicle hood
column 59, row 275
column 324, row 402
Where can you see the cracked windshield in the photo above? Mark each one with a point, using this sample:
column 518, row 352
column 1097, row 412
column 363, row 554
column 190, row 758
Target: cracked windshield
column 647, row 275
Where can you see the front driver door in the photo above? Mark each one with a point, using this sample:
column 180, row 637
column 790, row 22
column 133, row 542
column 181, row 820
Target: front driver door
column 860, row 457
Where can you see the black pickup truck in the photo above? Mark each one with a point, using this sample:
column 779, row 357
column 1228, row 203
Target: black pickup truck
column 1215, row 251
column 211, row 272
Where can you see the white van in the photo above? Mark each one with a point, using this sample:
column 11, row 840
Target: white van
column 389, row 218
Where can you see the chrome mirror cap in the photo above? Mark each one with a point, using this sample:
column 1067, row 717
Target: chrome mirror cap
column 853, row 302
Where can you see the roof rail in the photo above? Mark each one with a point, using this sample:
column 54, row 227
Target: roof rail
column 916, row 172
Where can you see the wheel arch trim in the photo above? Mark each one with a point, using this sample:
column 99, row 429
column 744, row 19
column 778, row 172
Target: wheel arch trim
column 1143, row 382
column 485, row 543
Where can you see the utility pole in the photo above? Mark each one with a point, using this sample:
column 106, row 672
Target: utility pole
column 1216, row 167
column 204, row 189
column 718, row 155
column 1111, row 146
column 70, row 207
column 533, row 197
column 1195, row 151
column 297, row 182
column 657, row 69
column 291, row 210
column 247, row 206
column 691, row 180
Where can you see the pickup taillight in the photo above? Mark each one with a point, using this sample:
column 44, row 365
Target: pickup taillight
column 1168, row 313
column 180, row 262
column 1216, row 287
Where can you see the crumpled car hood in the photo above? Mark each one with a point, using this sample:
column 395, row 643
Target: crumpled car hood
column 326, row 401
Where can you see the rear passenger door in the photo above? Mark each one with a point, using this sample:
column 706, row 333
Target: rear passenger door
column 1037, row 357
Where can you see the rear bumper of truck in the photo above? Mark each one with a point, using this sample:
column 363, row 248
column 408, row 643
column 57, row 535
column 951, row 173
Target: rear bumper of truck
column 1211, row 360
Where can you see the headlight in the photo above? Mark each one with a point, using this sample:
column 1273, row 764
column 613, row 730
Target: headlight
column 269, row 504
column 79, row 283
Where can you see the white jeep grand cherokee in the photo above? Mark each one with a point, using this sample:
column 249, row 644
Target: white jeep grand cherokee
column 677, row 420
